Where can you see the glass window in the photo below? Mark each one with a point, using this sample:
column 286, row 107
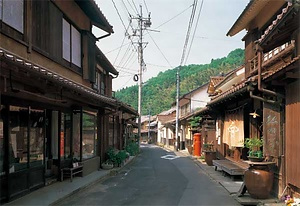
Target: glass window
column 66, row 41
column 18, row 131
column 71, row 44
column 76, row 47
column 1, row 140
column 54, row 135
column 65, row 136
column 76, row 136
column 36, row 137
column 13, row 13
column 1, row 9
column 89, row 135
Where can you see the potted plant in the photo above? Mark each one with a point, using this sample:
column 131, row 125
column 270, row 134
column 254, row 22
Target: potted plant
column 111, row 159
column 254, row 144
column 258, row 177
column 107, row 165
column 210, row 153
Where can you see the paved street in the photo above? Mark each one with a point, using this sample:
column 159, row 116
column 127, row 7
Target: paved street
column 156, row 177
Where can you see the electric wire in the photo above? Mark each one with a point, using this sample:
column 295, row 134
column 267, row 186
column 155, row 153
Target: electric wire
column 188, row 32
column 174, row 16
column 195, row 29
column 126, row 83
column 146, row 7
column 117, row 48
column 126, row 8
column 124, row 55
column 135, row 7
column 129, row 57
column 159, row 50
column 122, row 20
column 131, row 6
column 120, row 49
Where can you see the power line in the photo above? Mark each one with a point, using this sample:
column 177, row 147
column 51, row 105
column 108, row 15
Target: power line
column 131, row 6
column 179, row 140
column 135, row 7
column 126, row 7
column 157, row 65
column 188, row 32
column 174, row 16
column 121, row 20
column 160, row 50
column 146, row 7
column 117, row 48
column 195, row 29
column 124, row 55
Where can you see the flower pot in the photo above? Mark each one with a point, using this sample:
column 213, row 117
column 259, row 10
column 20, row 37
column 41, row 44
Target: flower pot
column 190, row 149
column 259, row 181
column 107, row 166
column 209, row 157
column 255, row 159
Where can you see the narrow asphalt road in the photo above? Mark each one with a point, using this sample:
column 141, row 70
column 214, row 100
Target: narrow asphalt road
column 156, row 177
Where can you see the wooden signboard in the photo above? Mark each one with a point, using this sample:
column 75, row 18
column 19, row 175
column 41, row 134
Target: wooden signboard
column 271, row 127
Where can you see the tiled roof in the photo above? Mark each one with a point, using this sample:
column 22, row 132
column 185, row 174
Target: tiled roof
column 272, row 72
column 64, row 81
column 276, row 21
column 241, row 87
column 170, row 111
column 216, row 79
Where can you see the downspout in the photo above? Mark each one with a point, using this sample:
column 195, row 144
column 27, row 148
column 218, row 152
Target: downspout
column 260, row 88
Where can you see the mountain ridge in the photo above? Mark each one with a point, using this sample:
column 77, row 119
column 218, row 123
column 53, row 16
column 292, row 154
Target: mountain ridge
column 159, row 92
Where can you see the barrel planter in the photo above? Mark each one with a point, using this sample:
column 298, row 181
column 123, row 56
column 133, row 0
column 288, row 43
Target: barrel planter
column 209, row 157
column 259, row 181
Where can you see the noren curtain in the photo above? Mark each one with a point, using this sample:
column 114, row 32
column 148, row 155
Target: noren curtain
column 233, row 133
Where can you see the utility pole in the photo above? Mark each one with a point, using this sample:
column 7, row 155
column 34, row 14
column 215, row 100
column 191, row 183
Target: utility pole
column 143, row 24
column 177, row 109
column 149, row 124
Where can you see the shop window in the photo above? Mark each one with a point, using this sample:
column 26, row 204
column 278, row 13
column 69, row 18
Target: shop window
column 18, row 130
column 76, row 136
column 89, row 135
column 71, row 44
column 12, row 13
column 1, row 142
column 36, row 137
column 65, row 136
column 54, row 135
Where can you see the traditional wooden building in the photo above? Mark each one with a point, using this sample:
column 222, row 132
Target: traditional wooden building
column 272, row 57
column 56, row 93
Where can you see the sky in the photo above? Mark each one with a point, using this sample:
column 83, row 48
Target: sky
column 166, row 36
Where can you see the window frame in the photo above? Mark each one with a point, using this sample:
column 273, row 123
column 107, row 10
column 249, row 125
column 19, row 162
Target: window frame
column 70, row 62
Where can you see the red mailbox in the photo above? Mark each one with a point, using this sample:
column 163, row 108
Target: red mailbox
column 197, row 145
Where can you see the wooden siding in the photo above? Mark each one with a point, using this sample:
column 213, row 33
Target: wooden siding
column 292, row 153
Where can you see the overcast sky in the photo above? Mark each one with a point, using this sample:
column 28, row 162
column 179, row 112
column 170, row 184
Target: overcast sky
column 210, row 41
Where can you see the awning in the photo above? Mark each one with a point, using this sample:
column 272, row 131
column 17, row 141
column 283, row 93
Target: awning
column 57, row 78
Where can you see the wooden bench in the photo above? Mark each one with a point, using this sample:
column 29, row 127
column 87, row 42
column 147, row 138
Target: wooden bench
column 229, row 167
column 76, row 168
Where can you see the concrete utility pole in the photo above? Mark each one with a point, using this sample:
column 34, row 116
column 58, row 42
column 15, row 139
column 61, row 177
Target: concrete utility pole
column 143, row 24
column 149, row 124
column 177, row 109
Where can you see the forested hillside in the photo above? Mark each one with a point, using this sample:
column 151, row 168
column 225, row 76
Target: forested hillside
column 160, row 92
